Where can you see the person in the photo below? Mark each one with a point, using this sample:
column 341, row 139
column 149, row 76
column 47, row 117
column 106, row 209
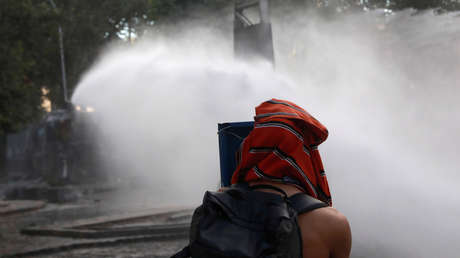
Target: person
column 282, row 151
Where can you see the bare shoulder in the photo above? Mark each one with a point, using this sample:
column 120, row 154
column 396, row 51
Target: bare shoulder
column 325, row 233
column 326, row 218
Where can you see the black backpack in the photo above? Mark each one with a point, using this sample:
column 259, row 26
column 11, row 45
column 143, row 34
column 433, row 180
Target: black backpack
column 242, row 223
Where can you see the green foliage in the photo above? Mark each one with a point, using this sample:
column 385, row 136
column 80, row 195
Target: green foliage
column 29, row 51
column 446, row 5
column 25, row 27
column 439, row 5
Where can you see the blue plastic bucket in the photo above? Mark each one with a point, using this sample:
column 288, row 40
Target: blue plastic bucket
column 230, row 137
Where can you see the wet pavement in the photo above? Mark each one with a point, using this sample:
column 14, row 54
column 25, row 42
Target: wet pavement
column 97, row 209
column 18, row 206
column 156, row 249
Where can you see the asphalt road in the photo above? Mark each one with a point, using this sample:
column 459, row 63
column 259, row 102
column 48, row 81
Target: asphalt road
column 100, row 206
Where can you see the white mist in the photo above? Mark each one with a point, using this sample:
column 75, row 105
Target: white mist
column 386, row 88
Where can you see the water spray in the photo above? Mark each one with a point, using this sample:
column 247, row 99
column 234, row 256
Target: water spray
column 388, row 97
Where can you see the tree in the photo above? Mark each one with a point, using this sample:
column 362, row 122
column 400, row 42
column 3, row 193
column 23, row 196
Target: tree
column 26, row 29
column 25, row 53
column 29, row 47
column 439, row 5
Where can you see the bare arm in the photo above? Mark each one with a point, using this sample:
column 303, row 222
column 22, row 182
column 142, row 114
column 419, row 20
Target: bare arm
column 341, row 240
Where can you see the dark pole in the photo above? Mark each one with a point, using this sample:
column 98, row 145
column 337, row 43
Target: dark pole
column 264, row 11
column 3, row 155
column 61, row 52
column 253, row 41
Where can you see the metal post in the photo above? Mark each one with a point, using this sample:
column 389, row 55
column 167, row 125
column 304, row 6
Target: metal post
column 253, row 41
column 264, row 11
column 63, row 73
column 61, row 52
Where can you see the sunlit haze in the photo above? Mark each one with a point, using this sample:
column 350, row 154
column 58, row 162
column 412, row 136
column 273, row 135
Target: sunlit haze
column 385, row 86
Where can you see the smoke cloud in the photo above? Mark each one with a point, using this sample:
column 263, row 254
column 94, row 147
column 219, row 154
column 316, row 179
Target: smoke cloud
column 385, row 86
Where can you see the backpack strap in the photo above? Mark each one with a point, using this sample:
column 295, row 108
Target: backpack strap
column 271, row 187
column 246, row 186
column 304, row 203
column 184, row 253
